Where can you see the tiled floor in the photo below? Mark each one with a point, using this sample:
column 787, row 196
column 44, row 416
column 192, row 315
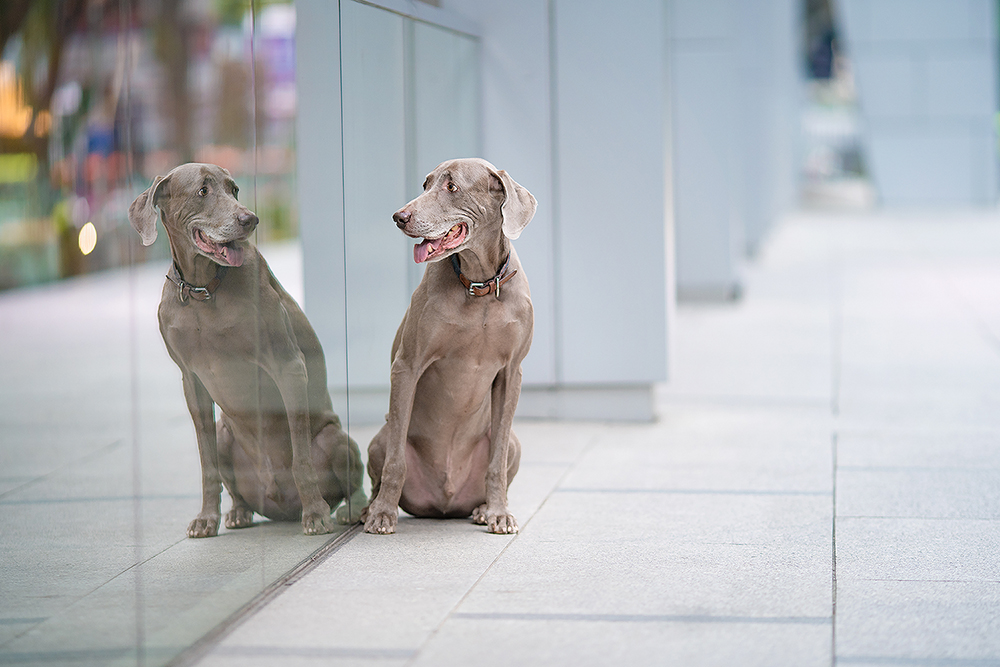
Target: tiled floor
column 823, row 487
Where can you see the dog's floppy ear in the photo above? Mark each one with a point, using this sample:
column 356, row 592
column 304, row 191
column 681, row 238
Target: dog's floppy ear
column 518, row 206
column 142, row 213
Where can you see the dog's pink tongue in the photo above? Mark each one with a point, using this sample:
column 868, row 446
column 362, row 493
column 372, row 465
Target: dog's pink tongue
column 231, row 255
column 422, row 251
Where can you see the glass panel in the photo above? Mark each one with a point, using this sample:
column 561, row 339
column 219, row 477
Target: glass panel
column 410, row 101
column 445, row 105
column 99, row 464
column 374, row 187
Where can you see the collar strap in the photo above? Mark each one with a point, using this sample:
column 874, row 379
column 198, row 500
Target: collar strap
column 187, row 290
column 490, row 286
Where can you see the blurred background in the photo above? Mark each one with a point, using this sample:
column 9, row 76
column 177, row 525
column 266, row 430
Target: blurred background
column 96, row 98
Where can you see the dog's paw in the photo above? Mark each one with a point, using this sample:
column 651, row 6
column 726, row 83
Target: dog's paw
column 380, row 523
column 501, row 524
column 204, row 526
column 349, row 514
column 345, row 516
column 353, row 510
column 317, row 523
column 239, row 517
column 479, row 515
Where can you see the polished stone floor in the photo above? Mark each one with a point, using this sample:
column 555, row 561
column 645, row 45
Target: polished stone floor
column 822, row 487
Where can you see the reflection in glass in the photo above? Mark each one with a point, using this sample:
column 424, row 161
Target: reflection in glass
column 99, row 465
column 410, row 102
column 244, row 345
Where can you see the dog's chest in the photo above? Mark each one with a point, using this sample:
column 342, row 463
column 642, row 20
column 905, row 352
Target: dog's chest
column 487, row 327
column 203, row 337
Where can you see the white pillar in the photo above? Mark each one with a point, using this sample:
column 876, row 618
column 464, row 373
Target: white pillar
column 926, row 73
column 708, row 185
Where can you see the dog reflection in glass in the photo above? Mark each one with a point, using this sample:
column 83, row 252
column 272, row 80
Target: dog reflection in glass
column 242, row 343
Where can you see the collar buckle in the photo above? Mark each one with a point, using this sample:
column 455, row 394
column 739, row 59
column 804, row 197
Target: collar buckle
column 484, row 288
column 186, row 291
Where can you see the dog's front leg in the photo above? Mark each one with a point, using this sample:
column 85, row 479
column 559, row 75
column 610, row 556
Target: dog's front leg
column 381, row 514
column 202, row 410
column 503, row 398
column 292, row 381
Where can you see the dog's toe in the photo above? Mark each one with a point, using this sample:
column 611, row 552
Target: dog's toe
column 347, row 515
column 317, row 524
column 239, row 517
column 502, row 524
column 204, row 527
column 479, row 515
column 380, row 523
column 353, row 509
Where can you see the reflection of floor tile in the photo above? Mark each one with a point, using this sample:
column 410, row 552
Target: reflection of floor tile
column 100, row 477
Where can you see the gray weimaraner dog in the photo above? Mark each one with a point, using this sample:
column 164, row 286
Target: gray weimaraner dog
column 243, row 343
column 447, row 449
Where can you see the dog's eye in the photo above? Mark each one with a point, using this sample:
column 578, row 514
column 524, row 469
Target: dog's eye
column 452, row 187
column 203, row 192
column 236, row 192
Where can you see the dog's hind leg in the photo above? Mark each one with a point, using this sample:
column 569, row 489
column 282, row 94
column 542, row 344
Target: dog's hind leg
column 241, row 514
column 337, row 461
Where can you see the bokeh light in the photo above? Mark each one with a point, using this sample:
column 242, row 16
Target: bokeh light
column 88, row 238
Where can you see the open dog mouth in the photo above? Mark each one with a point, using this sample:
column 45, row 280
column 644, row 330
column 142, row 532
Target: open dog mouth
column 431, row 248
column 229, row 253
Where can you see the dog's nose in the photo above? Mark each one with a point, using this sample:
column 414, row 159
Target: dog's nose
column 247, row 219
column 401, row 217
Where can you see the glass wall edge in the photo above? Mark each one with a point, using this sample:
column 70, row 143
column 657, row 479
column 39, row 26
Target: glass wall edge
column 421, row 11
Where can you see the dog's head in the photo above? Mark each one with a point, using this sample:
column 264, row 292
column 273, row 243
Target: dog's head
column 464, row 199
column 199, row 208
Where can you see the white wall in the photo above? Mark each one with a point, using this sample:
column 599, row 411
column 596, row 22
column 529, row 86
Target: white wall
column 708, row 179
column 575, row 108
column 517, row 137
column 620, row 117
column 321, row 179
column 926, row 73
column 410, row 99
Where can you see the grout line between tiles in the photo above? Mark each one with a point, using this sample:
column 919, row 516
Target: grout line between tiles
column 203, row 646
column 452, row 612
column 833, row 554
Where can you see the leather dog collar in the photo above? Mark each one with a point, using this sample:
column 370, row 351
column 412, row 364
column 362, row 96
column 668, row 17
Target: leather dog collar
column 491, row 285
column 185, row 290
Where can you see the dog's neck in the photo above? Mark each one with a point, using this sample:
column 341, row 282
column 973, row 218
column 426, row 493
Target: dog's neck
column 482, row 264
column 197, row 270
column 194, row 268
